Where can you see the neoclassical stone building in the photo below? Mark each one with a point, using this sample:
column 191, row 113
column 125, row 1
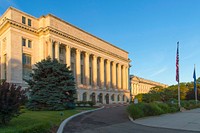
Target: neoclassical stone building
column 100, row 69
column 141, row 85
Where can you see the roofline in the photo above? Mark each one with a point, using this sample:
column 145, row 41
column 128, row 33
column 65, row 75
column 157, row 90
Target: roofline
column 83, row 31
column 12, row 8
column 148, row 80
column 15, row 9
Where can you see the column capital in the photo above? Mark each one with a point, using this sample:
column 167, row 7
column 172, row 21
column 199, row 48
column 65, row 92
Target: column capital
column 94, row 56
column 57, row 43
column 108, row 61
column 77, row 50
column 101, row 59
column 114, row 63
column 86, row 53
column 67, row 46
column 50, row 40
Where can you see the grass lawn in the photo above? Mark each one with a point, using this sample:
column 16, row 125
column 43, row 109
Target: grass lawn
column 38, row 121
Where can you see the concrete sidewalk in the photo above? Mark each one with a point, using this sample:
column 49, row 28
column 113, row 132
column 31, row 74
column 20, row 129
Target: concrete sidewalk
column 187, row 120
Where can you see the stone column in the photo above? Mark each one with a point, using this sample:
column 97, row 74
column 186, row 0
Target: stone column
column 124, row 78
column 68, row 56
column 94, row 70
column 132, row 89
column 127, row 78
column 102, row 72
column 78, row 72
column 86, row 68
column 119, row 76
column 114, row 75
column 57, row 50
column 107, row 74
column 50, row 48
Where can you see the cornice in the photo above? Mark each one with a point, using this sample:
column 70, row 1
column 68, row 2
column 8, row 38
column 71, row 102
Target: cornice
column 60, row 33
column 82, row 42
column 146, row 81
column 19, row 25
column 51, row 15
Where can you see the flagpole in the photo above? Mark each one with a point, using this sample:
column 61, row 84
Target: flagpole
column 177, row 75
column 195, row 85
column 179, row 99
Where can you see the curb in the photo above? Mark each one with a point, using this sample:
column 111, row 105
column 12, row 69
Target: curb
column 61, row 127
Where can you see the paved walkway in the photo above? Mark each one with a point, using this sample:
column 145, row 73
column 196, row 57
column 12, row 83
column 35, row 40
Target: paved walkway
column 187, row 120
column 113, row 119
column 108, row 116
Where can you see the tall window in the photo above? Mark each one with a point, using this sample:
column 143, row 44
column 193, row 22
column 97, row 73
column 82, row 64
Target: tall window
column 73, row 69
column 5, row 67
column 90, row 79
column 23, row 42
column 29, row 43
column 23, row 20
column 29, row 22
column 26, row 60
column 62, row 61
column 82, row 74
column 61, row 50
column 90, row 70
column 82, row 68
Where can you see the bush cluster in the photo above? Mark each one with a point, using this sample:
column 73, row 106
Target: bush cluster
column 190, row 104
column 85, row 103
column 11, row 97
column 150, row 109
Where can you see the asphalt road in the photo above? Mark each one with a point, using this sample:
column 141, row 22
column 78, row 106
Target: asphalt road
column 111, row 120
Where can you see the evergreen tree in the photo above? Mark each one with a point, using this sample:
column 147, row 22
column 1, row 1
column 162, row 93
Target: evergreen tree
column 52, row 86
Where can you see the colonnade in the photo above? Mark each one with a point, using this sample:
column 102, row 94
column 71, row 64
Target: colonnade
column 91, row 71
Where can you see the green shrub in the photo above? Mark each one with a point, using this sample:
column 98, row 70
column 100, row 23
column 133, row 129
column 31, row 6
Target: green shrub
column 152, row 109
column 85, row 103
column 91, row 103
column 173, row 108
column 190, row 104
column 135, row 111
column 164, row 107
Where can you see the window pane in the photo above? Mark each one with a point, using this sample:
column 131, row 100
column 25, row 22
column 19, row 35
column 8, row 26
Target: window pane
column 29, row 43
column 24, row 59
column 23, row 20
column 23, row 42
column 29, row 22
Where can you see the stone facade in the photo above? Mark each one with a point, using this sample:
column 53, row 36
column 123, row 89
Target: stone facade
column 100, row 69
column 141, row 85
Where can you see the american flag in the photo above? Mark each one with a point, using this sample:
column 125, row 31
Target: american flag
column 177, row 64
column 194, row 76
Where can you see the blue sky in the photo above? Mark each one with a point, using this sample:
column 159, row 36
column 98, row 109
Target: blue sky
column 147, row 29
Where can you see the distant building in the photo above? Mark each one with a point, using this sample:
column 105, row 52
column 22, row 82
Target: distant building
column 141, row 85
column 100, row 68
